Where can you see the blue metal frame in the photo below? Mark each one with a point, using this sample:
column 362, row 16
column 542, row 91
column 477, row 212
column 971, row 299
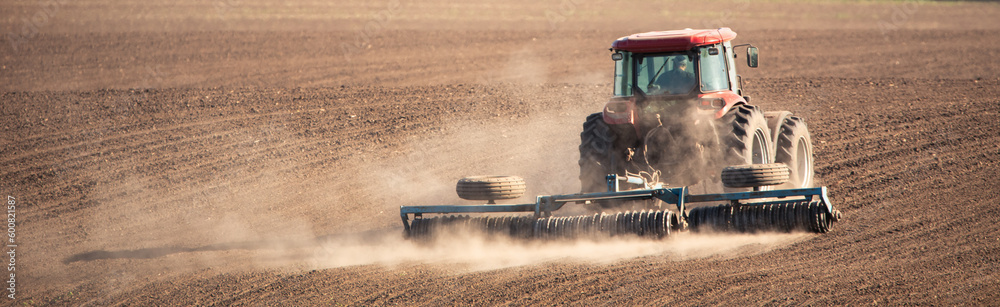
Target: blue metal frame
column 544, row 205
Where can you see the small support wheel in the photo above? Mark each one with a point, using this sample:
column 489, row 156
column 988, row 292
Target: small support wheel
column 490, row 187
column 755, row 175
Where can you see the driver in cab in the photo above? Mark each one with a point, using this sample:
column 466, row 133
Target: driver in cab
column 678, row 80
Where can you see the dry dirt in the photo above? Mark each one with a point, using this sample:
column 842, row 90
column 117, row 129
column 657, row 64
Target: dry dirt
column 255, row 153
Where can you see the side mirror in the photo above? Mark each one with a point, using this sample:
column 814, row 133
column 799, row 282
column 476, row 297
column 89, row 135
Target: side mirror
column 617, row 56
column 752, row 56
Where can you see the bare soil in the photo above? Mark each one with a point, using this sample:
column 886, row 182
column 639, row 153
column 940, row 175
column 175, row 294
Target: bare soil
column 256, row 153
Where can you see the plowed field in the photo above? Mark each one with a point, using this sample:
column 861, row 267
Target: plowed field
column 256, row 153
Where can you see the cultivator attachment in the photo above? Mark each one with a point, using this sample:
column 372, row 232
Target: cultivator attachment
column 787, row 210
column 812, row 216
column 651, row 223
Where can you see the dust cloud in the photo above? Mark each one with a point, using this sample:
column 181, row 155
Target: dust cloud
column 478, row 252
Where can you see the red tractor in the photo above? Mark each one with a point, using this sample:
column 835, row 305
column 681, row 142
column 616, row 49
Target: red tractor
column 679, row 116
column 678, row 121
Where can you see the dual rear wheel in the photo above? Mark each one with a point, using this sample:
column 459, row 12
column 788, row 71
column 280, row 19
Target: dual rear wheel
column 745, row 138
column 753, row 141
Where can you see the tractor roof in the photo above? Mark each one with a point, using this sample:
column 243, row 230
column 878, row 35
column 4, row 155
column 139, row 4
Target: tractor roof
column 677, row 40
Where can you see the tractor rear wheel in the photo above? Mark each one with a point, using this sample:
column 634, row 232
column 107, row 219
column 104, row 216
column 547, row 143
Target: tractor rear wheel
column 598, row 157
column 748, row 141
column 794, row 148
column 746, row 137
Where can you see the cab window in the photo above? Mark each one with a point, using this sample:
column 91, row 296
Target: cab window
column 714, row 76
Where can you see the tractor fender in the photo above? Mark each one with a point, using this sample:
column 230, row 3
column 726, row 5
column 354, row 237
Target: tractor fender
column 730, row 99
column 619, row 110
column 774, row 121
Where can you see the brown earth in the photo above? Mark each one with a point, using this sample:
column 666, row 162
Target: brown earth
column 255, row 153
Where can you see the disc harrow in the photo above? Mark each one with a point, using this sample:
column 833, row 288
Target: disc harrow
column 788, row 210
column 645, row 223
column 767, row 217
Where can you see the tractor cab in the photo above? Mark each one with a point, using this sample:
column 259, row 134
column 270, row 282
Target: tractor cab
column 674, row 66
